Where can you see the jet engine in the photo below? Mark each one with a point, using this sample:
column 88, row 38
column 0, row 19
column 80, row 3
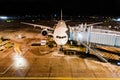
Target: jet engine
column 44, row 32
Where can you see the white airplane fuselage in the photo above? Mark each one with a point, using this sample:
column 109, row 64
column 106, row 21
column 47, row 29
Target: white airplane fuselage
column 60, row 36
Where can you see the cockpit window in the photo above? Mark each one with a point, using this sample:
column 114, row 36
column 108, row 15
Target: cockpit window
column 64, row 37
column 60, row 37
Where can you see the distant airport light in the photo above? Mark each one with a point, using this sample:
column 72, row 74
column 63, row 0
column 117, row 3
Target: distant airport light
column 19, row 62
column 118, row 19
column 118, row 63
column 3, row 17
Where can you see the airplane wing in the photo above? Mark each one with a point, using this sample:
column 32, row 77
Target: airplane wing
column 94, row 24
column 36, row 25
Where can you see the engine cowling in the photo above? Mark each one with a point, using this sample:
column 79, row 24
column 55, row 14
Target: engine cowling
column 44, row 32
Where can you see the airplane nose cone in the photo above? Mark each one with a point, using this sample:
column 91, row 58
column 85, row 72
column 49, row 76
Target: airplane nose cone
column 60, row 35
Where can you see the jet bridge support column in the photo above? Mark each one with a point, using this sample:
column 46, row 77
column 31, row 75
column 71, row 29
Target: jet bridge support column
column 88, row 41
column 87, row 51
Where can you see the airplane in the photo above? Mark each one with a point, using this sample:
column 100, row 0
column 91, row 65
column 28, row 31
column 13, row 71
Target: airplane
column 60, row 33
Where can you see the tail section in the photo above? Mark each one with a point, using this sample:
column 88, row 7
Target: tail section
column 61, row 14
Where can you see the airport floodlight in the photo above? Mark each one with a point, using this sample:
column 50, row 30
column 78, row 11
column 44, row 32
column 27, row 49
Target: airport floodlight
column 19, row 62
column 118, row 19
column 3, row 17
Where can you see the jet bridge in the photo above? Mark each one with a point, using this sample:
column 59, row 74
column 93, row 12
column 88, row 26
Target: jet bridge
column 105, row 37
column 97, row 36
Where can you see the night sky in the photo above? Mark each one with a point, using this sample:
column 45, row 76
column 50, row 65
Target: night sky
column 69, row 7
